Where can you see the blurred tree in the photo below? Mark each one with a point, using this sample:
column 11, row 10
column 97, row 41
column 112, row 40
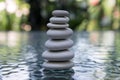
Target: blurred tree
column 95, row 12
column 77, row 11
column 40, row 11
column 107, row 19
column 84, row 14
column 35, row 19
column 116, row 16
column 10, row 14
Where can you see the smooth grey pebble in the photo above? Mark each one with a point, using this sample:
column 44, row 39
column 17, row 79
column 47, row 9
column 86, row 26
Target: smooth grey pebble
column 58, row 44
column 57, row 26
column 59, row 33
column 59, row 20
column 60, row 13
column 58, row 65
column 58, row 55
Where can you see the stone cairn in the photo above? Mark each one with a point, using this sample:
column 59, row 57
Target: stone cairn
column 58, row 55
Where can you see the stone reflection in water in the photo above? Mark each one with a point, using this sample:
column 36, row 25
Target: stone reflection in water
column 58, row 74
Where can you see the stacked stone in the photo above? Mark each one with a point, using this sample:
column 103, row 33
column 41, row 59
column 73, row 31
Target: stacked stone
column 58, row 55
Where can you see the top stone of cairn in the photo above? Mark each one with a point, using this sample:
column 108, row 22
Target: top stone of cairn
column 60, row 13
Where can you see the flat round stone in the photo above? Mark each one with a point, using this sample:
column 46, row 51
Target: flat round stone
column 50, row 25
column 59, row 20
column 59, row 33
column 60, row 13
column 58, row 44
column 58, row 65
column 58, row 55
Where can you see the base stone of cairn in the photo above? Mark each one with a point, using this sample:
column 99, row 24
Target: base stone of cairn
column 58, row 55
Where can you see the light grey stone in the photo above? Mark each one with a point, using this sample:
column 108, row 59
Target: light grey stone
column 58, row 44
column 59, row 20
column 58, row 65
column 57, row 26
column 60, row 13
column 59, row 33
column 58, row 55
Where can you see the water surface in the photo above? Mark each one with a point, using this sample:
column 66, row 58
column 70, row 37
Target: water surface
column 97, row 56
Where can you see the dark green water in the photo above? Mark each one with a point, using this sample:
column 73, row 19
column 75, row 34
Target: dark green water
column 97, row 56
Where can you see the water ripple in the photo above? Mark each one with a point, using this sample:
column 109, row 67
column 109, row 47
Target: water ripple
column 95, row 58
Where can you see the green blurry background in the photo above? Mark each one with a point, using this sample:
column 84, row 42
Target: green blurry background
column 87, row 15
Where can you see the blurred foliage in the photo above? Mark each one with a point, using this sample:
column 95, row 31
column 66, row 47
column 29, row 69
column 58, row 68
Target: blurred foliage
column 11, row 14
column 87, row 15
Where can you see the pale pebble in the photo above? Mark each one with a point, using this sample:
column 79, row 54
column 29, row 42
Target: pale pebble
column 58, row 44
column 58, row 26
column 59, row 33
column 58, row 55
column 60, row 13
column 59, row 20
column 58, row 65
